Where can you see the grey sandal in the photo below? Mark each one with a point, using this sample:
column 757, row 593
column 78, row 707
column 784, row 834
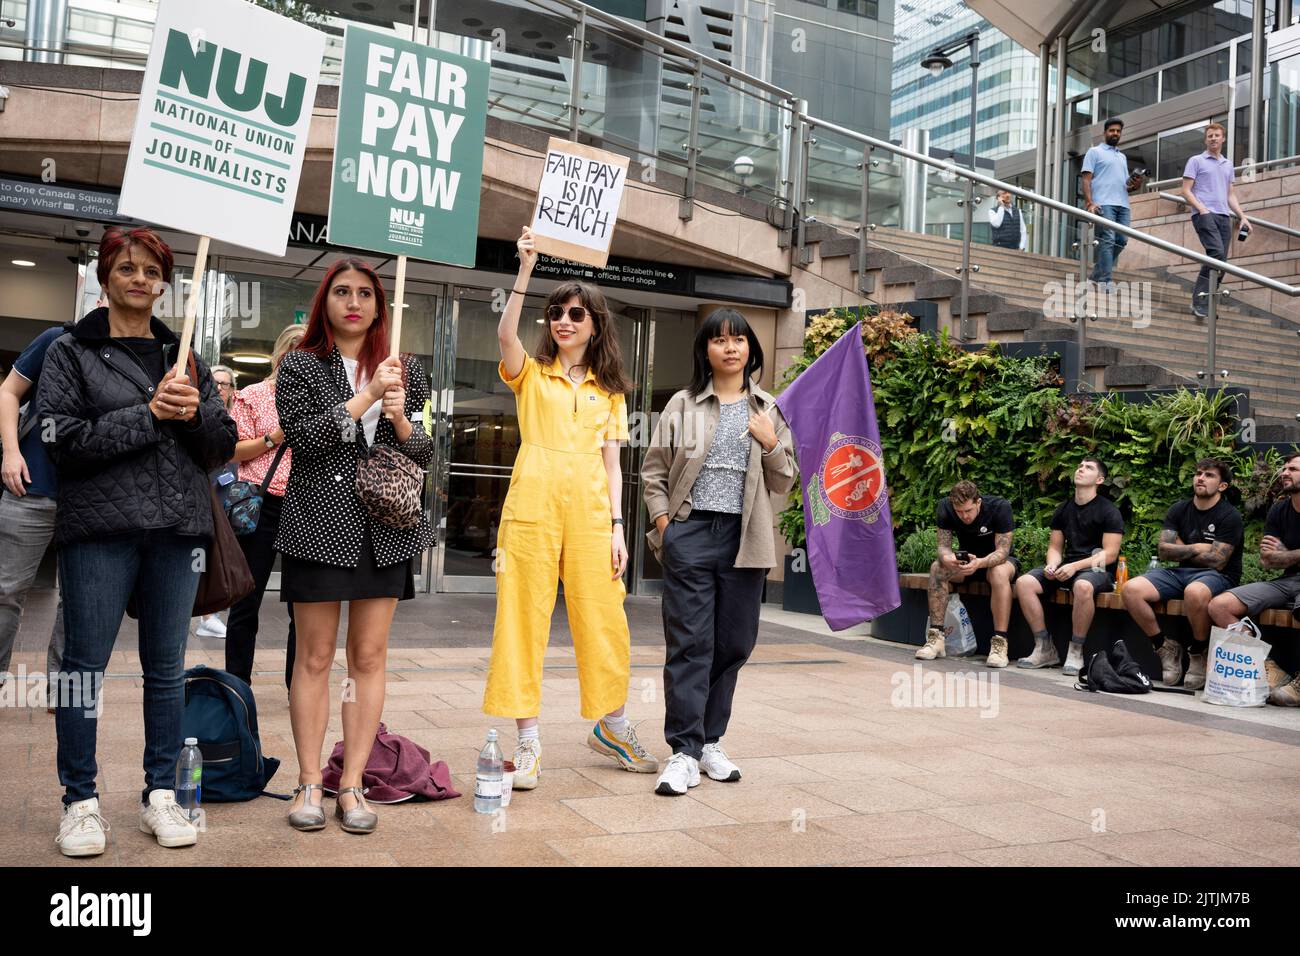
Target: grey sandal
column 309, row 816
column 358, row 819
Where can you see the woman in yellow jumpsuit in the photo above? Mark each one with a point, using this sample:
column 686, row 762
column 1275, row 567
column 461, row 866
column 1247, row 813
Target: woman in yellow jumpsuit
column 563, row 520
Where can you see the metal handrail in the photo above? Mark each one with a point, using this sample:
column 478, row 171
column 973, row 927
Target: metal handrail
column 1285, row 230
column 1056, row 205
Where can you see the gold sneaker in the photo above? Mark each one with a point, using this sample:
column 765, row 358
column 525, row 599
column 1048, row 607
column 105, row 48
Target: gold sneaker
column 933, row 646
column 528, row 764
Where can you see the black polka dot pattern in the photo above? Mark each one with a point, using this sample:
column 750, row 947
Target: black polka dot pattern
column 323, row 519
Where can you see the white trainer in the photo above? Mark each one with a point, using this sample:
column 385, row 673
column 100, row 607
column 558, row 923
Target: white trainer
column 682, row 773
column 1073, row 659
column 163, row 818
column 82, row 829
column 210, row 626
column 528, row 763
column 714, row 762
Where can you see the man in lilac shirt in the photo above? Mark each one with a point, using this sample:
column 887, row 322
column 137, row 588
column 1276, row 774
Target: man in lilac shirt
column 1208, row 189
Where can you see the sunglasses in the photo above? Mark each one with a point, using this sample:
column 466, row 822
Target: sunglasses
column 577, row 314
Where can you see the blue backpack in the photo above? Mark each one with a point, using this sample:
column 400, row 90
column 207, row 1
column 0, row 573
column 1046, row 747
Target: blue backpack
column 221, row 713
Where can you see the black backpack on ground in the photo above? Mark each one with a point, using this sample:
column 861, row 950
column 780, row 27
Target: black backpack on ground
column 221, row 713
column 1114, row 672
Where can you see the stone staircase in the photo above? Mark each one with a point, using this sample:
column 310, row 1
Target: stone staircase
column 1018, row 296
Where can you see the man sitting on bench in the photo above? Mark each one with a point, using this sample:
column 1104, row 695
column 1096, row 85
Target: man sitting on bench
column 1279, row 548
column 1088, row 530
column 983, row 527
column 1203, row 534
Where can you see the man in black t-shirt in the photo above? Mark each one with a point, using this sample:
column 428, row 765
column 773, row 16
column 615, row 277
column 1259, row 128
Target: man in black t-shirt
column 1203, row 534
column 983, row 526
column 1087, row 532
column 1278, row 549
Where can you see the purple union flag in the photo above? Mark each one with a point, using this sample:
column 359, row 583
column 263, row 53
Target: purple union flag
column 846, row 509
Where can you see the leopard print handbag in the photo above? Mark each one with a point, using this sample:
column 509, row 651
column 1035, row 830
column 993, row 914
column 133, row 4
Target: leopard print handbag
column 389, row 485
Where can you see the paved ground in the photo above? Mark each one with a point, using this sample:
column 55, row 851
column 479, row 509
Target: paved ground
column 845, row 762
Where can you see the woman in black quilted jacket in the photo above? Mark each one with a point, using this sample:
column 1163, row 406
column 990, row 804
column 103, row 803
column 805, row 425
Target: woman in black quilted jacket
column 133, row 443
column 338, row 395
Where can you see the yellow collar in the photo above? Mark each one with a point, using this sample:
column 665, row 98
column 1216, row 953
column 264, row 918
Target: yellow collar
column 556, row 369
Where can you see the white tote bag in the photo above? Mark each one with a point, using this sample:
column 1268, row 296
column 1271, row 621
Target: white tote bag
column 958, row 632
column 1234, row 669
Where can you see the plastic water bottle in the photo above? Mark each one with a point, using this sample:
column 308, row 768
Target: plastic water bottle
column 1154, row 565
column 487, row 784
column 189, row 777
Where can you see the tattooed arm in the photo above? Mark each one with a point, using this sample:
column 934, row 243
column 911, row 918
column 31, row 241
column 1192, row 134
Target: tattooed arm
column 1001, row 551
column 1272, row 553
column 1171, row 548
column 946, row 557
column 1216, row 558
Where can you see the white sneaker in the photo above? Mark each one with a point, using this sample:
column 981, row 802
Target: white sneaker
column 210, row 626
column 714, row 762
column 1073, row 659
column 82, row 829
column 682, row 773
column 1043, row 655
column 163, row 818
column 528, row 764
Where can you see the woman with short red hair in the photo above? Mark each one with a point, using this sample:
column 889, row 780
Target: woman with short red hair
column 330, row 395
column 133, row 443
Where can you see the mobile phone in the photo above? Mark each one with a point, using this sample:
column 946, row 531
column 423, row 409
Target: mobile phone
column 963, row 556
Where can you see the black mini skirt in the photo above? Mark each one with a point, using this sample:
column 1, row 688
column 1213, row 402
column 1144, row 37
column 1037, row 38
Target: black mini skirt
column 307, row 582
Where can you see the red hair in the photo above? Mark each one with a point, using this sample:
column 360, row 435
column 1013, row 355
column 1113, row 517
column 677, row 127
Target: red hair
column 116, row 239
column 319, row 338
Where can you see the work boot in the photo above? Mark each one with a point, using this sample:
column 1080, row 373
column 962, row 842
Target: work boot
column 1171, row 662
column 1275, row 676
column 933, row 646
column 1287, row 695
column 1195, row 677
column 997, row 652
column 1044, row 655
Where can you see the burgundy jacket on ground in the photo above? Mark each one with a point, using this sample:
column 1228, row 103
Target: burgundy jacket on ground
column 398, row 769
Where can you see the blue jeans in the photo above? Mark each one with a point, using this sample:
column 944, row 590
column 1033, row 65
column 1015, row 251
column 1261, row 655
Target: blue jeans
column 98, row 578
column 1110, row 243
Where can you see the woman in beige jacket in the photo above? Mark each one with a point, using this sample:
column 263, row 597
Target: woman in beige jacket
column 720, row 449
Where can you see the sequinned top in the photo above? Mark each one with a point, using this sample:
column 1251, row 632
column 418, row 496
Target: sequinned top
column 721, row 483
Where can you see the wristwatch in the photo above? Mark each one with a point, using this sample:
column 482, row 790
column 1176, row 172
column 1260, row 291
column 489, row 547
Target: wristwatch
column 267, row 438
column 616, row 521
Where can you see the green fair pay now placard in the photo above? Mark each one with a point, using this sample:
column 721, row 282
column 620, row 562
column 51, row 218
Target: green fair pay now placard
column 408, row 151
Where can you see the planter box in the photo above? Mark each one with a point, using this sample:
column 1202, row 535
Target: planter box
column 798, row 593
column 906, row 623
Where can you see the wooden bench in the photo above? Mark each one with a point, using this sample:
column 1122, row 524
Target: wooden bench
column 1274, row 617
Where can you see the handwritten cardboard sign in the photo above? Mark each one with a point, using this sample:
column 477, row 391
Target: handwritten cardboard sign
column 577, row 202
